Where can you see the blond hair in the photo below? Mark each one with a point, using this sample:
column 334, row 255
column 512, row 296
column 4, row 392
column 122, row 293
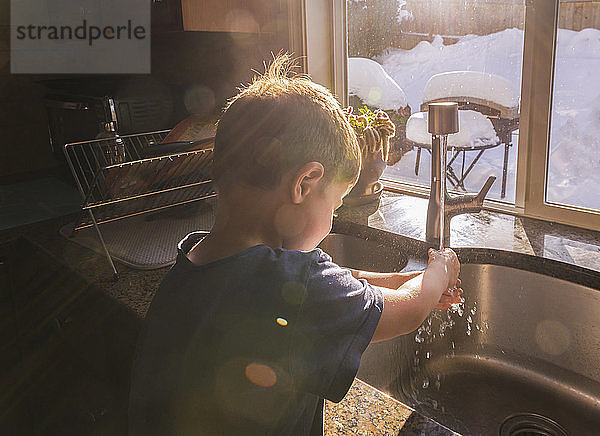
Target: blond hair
column 280, row 122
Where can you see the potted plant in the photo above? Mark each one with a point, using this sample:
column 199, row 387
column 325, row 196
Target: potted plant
column 374, row 130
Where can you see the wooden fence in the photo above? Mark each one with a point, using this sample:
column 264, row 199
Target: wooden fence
column 454, row 18
column 462, row 17
column 577, row 15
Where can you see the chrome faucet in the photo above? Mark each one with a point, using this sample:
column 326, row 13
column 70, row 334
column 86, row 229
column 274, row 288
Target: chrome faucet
column 443, row 120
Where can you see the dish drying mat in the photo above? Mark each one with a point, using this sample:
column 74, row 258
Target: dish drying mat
column 147, row 241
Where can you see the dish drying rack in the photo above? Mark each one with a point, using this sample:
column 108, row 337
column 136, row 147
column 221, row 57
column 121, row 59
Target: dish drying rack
column 124, row 176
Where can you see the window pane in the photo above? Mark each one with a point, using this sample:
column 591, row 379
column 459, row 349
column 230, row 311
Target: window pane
column 398, row 50
column 574, row 146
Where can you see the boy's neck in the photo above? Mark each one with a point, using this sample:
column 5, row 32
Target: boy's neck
column 245, row 218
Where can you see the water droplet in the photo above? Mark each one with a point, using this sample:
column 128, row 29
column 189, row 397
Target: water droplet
column 427, row 355
column 425, row 383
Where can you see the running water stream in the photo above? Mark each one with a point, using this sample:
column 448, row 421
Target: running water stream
column 460, row 319
column 443, row 147
column 443, row 120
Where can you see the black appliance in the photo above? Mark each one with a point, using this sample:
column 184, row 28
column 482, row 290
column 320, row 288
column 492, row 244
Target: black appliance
column 79, row 110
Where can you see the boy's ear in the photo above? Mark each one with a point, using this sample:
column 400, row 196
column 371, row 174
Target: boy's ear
column 305, row 180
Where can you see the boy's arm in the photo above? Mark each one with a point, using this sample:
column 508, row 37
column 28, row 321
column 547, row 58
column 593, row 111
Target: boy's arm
column 405, row 308
column 385, row 280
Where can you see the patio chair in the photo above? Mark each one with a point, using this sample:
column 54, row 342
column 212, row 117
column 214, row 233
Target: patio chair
column 488, row 116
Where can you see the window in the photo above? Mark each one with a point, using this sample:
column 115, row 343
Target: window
column 546, row 52
column 410, row 52
column 494, row 50
column 573, row 169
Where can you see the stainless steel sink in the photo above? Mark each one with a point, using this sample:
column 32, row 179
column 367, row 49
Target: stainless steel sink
column 524, row 355
column 367, row 254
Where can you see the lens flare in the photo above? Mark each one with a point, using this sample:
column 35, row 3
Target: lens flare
column 199, row 99
column 552, row 337
column 261, row 375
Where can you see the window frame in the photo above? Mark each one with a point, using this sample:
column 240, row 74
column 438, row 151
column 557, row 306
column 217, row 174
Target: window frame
column 326, row 38
column 542, row 17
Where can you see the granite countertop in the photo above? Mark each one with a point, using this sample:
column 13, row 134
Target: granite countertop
column 405, row 215
column 364, row 410
column 367, row 411
column 528, row 242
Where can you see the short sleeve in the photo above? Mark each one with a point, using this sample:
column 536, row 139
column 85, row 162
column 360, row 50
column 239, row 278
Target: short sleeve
column 336, row 322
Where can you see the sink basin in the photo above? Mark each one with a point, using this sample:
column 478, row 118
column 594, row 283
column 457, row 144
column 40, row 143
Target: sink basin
column 521, row 357
column 366, row 254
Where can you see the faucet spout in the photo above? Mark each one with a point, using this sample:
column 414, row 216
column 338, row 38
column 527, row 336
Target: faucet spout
column 454, row 205
column 485, row 188
column 443, row 120
column 468, row 203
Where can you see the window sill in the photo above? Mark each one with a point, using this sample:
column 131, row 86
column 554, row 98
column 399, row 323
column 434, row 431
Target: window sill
column 405, row 215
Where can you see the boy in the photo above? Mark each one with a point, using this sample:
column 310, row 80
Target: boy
column 253, row 326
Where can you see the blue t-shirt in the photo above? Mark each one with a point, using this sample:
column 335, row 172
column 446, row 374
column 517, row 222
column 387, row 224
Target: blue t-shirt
column 249, row 344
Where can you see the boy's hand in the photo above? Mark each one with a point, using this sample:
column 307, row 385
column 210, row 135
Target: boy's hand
column 453, row 293
column 405, row 308
column 450, row 261
column 450, row 297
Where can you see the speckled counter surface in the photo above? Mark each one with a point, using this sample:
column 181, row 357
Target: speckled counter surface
column 135, row 288
column 405, row 215
column 523, row 242
column 367, row 411
column 364, row 410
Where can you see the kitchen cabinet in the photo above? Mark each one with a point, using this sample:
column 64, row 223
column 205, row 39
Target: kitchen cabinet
column 242, row 16
column 166, row 16
column 70, row 348
column 13, row 420
column 248, row 16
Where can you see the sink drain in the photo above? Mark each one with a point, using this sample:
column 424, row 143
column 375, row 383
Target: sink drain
column 530, row 424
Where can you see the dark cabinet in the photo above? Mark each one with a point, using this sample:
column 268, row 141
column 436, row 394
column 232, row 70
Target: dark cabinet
column 70, row 349
column 13, row 419
column 166, row 16
column 246, row 16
